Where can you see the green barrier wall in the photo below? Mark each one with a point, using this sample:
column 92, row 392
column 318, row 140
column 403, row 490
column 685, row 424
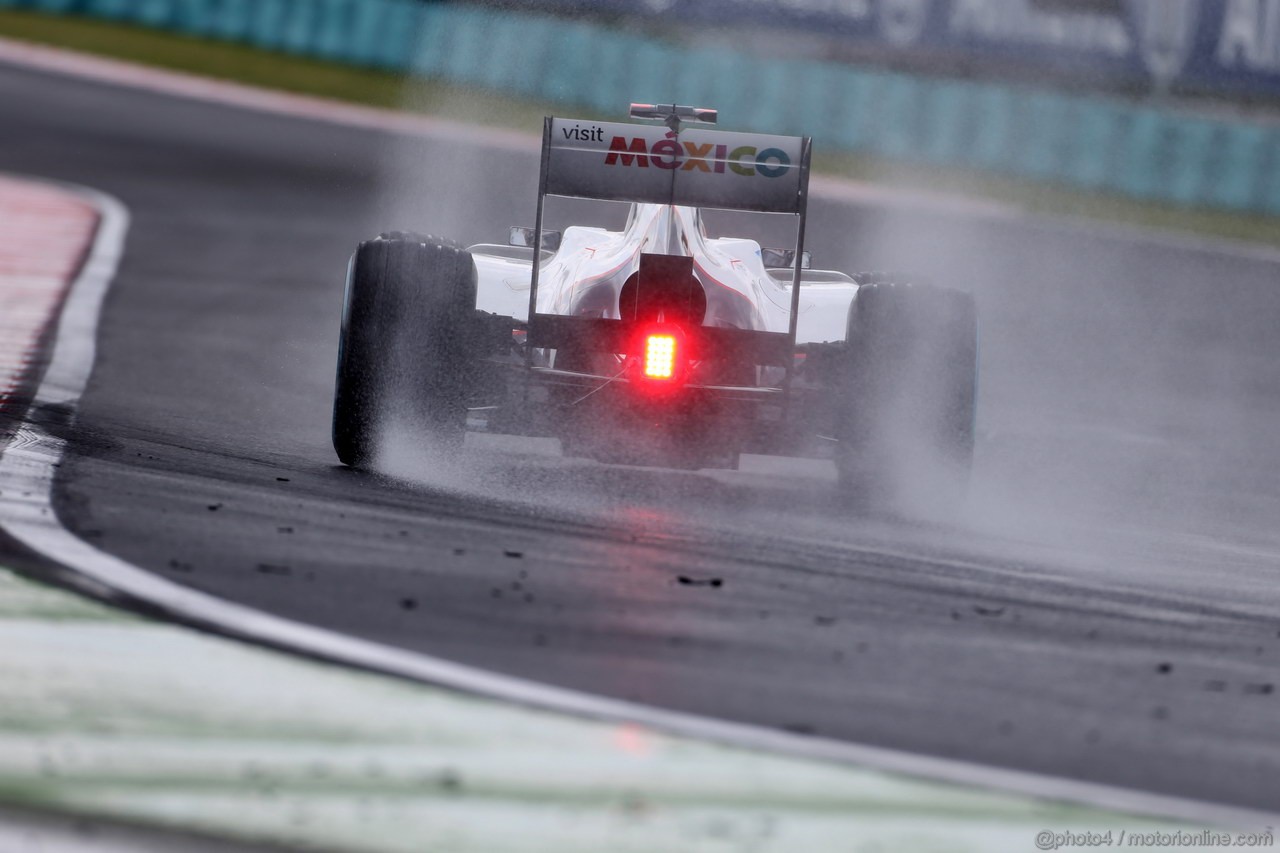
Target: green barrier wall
column 1076, row 140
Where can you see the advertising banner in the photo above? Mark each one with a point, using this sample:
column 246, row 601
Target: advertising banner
column 696, row 167
column 1195, row 44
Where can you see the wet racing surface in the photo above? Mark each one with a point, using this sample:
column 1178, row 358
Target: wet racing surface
column 1105, row 609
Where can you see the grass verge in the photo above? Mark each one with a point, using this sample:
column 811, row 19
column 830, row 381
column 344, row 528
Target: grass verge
column 116, row 717
column 249, row 65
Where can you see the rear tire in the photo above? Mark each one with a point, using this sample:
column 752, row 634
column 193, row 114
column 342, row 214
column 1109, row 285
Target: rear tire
column 905, row 419
column 405, row 347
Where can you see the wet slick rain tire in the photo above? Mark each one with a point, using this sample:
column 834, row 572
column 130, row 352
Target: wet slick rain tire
column 905, row 414
column 404, row 348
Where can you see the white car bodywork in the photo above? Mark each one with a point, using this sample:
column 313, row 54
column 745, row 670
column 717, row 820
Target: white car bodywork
column 584, row 276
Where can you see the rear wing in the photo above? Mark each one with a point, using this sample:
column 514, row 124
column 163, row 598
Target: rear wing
column 684, row 166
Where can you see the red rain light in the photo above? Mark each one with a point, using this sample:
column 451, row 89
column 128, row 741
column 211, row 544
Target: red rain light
column 660, row 351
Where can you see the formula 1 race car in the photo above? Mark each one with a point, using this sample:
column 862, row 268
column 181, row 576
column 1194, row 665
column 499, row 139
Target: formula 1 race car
column 656, row 343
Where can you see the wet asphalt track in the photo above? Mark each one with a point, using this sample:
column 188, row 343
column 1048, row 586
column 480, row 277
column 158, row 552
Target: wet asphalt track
column 1108, row 609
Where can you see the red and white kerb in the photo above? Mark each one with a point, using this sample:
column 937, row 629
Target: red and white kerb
column 44, row 236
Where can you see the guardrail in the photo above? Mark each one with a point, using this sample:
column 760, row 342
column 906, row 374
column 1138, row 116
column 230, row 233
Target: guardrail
column 1139, row 150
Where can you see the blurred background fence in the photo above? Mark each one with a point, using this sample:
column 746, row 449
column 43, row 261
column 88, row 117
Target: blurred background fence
column 1069, row 127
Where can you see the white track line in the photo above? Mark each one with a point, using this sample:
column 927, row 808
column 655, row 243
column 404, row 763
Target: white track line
column 28, row 466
